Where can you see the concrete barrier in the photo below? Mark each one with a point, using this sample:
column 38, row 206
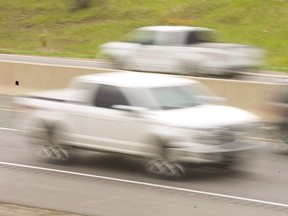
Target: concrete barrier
column 251, row 96
column 16, row 78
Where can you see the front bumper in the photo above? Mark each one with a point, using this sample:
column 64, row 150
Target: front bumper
column 212, row 153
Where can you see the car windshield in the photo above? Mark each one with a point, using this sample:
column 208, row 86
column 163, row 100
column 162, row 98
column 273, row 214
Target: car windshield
column 184, row 96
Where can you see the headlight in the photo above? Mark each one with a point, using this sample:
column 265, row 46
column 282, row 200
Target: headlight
column 194, row 135
column 249, row 130
column 205, row 136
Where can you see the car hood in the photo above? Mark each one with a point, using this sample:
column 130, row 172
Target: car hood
column 204, row 116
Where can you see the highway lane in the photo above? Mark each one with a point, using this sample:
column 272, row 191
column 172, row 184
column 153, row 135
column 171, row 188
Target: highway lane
column 264, row 76
column 92, row 196
column 100, row 184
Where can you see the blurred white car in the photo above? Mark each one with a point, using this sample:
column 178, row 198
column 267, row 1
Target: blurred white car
column 181, row 50
column 169, row 121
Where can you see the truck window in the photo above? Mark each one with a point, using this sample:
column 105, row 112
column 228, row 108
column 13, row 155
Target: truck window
column 170, row 38
column 192, row 38
column 175, row 97
column 200, row 37
column 141, row 37
column 107, row 96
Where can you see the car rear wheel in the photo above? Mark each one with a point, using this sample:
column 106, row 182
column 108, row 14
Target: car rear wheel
column 52, row 152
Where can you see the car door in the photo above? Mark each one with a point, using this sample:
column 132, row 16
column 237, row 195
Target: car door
column 114, row 129
column 160, row 52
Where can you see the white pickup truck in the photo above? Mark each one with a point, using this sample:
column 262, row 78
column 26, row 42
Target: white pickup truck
column 181, row 50
column 168, row 121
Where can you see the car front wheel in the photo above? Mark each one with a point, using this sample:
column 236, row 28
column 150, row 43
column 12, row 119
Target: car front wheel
column 164, row 168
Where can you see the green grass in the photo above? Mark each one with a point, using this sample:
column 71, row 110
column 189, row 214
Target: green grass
column 49, row 28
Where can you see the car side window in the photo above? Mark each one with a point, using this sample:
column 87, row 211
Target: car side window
column 141, row 37
column 170, row 38
column 200, row 37
column 108, row 95
column 192, row 38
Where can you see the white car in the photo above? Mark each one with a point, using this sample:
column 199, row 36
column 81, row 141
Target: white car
column 168, row 121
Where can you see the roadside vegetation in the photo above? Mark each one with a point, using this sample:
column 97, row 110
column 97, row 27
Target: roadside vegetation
column 63, row 28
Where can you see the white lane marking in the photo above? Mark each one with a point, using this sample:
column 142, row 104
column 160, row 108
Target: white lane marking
column 144, row 184
column 9, row 109
column 8, row 129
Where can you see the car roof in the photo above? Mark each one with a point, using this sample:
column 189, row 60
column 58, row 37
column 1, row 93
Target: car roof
column 134, row 79
column 172, row 28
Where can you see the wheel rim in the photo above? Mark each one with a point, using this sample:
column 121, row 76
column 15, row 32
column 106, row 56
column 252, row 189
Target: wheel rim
column 47, row 147
column 51, row 152
column 164, row 168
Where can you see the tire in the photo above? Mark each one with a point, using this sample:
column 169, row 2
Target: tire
column 192, row 71
column 227, row 161
column 117, row 64
column 163, row 165
column 163, row 168
column 52, row 153
column 282, row 136
column 281, row 146
column 48, row 146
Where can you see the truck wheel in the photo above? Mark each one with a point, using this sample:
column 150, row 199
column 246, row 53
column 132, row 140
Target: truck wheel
column 48, row 148
column 53, row 153
column 284, row 137
column 164, row 168
column 192, row 71
column 116, row 63
column 163, row 163
column 227, row 161
column 280, row 134
column 281, row 147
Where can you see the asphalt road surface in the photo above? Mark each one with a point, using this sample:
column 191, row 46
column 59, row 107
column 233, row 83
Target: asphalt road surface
column 100, row 184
